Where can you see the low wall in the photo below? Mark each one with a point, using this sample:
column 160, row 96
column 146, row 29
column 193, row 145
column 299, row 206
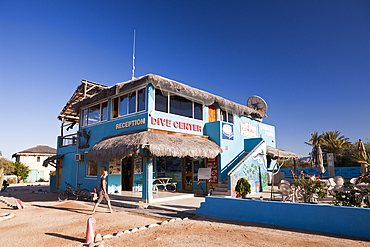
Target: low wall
column 346, row 172
column 323, row 218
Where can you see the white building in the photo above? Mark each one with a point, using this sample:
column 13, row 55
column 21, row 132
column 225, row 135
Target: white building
column 34, row 158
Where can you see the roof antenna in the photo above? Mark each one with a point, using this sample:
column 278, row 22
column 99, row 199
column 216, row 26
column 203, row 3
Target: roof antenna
column 133, row 58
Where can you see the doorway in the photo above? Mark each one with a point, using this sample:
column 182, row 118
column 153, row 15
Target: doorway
column 126, row 174
column 212, row 113
column 187, row 174
column 58, row 174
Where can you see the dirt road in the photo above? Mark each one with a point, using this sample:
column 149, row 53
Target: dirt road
column 47, row 222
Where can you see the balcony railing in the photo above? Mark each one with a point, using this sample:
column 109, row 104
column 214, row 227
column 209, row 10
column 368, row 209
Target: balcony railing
column 68, row 140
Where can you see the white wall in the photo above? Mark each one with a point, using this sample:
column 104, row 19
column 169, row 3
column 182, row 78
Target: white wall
column 31, row 162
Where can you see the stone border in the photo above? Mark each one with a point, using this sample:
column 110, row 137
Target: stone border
column 99, row 237
column 6, row 217
column 8, row 203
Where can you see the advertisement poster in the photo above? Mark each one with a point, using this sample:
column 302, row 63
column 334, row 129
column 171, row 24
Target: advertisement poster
column 138, row 164
column 213, row 164
column 227, row 131
column 115, row 167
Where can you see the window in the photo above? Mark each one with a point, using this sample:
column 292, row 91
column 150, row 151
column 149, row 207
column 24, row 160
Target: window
column 227, row 117
column 92, row 169
column 94, row 114
column 38, row 159
column 128, row 103
column 178, row 105
column 181, row 106
column 161, row 101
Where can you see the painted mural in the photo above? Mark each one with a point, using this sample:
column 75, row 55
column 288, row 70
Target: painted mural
column 254, row 170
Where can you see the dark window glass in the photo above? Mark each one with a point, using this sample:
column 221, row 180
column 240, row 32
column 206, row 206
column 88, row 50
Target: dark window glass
column 115, row 108
column 198, row 111
column 161, row 101
column 123, row 105
column 141, row 100
column 132, row 102
column 94, row 114
column 104, row 112
column 92, row 169
column 181, row 106
column 84, row 117
column 230, row 118
column 223, row 116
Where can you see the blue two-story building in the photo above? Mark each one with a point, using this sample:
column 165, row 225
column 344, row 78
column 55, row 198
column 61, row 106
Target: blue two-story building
column 153, row 127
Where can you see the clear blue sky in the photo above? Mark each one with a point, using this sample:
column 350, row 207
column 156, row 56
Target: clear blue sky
column 309, row 60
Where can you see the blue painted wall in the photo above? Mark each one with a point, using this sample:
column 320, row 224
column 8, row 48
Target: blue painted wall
column 76, row 171
column 349, row 221
column 346, row 172
column 253, row 169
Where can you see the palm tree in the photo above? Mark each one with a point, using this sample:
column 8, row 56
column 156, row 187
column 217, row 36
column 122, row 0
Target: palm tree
column 316, row 140
column 335, row 143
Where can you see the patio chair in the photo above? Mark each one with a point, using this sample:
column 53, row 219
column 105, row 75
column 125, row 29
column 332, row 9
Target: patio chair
column 283, row 181
column 287, row 193
column 339, row 180
column 330, row 186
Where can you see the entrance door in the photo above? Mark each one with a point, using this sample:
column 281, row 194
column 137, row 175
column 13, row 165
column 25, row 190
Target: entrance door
column 187, row 174
column 126, row 174
column 212, row 113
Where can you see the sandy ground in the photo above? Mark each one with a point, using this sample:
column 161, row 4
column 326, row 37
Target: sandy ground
column 47, row 222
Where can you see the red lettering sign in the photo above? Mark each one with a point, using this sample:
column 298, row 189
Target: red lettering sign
column 176, row 124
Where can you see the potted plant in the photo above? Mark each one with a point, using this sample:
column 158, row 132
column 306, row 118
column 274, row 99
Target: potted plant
column 243, row 187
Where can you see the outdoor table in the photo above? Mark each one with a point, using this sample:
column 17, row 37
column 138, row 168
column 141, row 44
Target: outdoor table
column 161, row 182
column 361, row 185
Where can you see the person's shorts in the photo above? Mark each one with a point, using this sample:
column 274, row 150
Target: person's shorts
column 101, row 196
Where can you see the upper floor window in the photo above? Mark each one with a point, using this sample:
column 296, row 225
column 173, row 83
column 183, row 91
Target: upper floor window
column 178, row 105
column 128, row 103
column 227, row 116
column 38, row 159
column 95, row 114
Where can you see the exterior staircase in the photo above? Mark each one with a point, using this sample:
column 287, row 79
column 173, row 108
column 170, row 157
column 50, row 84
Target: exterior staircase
column 222, row 189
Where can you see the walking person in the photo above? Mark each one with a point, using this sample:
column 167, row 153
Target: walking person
column 102, row 188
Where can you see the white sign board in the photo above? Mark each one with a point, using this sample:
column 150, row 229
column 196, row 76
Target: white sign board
column 204, row 173
column 248, row 130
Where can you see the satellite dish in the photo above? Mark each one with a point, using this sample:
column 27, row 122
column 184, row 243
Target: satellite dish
column 257, row 103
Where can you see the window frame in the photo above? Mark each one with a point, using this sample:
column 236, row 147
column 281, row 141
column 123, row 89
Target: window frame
column 84, row 116
column 127, row 95
column 87, row 169
column 227, row 114
column 193, row 102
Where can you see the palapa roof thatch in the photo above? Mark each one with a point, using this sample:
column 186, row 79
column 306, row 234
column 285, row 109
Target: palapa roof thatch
column 159, row 144
column 167, row 85
column 276, row 153
column 85, row 89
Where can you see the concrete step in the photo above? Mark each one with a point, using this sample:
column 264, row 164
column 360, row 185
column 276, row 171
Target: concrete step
column 220, row 194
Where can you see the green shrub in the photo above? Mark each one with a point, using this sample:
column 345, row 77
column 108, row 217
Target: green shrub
column 12, row 180
column 243, row 187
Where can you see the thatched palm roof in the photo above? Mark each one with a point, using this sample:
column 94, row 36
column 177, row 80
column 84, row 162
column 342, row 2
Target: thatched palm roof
column 85, row 89
column 179, row 88
column 159, row 144
column 276, row 153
